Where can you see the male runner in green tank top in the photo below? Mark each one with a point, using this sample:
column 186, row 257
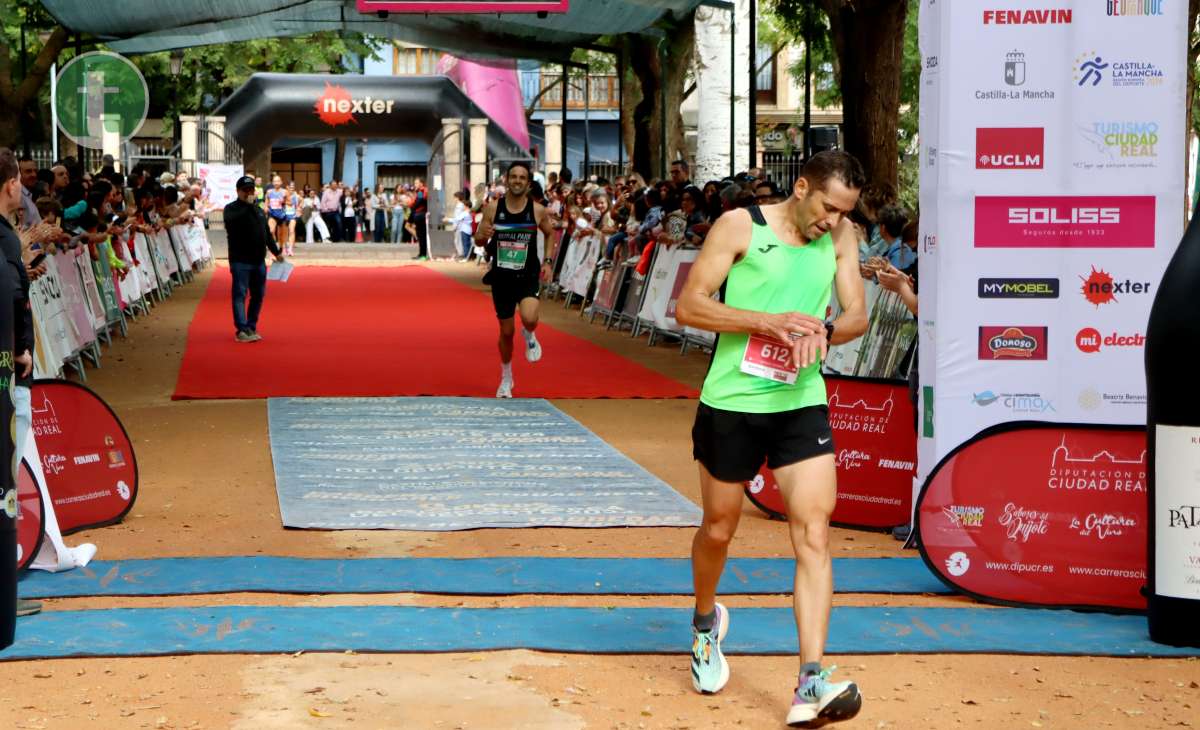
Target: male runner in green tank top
column 764, row 399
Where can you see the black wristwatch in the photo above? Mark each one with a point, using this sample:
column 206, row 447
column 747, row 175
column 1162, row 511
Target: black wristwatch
column 828, row 331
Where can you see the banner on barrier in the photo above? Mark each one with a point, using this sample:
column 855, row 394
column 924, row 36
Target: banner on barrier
column 875, row 453
column 666, row 279
column 220, row 182
column 1041, row 514
column 610, row 283
column 87, row 458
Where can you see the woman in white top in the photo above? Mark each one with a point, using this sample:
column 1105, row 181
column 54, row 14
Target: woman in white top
column 312, row 204
column 463, row 224
column 368, row 214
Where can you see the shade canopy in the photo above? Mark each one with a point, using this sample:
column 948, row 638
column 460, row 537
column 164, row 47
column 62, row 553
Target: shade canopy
column 273, row 106
column 159, row 25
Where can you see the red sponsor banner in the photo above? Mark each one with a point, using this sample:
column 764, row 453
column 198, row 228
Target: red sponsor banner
column 1041, row 514
column 681, row 275
column 463, row 6
column 1013, row 343
column 610, row 283
column 91, row 474
column 1064, row 221
column 31, row 522
column 876, row 451
column 1009, row 148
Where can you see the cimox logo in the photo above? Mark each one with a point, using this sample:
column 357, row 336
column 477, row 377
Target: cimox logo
column 1018, row 288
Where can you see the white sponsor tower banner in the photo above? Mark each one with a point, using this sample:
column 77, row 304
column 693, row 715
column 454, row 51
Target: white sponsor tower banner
column 1052, row 197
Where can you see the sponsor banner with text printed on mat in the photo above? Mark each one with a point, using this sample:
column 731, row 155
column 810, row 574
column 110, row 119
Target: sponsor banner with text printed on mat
column 1052, row 198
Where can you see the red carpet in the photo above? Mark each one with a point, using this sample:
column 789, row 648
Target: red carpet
column 389, row 331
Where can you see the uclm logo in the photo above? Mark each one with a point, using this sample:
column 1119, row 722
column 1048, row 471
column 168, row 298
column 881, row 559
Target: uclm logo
column 1064, row 221
column 1009, row 148
column 1050, row 16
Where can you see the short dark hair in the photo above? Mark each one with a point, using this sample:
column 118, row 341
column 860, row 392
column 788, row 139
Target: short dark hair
column 834, row 164
column 47, row 205
column 8, row 166
column 893, row 218
column 519, row 163
column 565, row 175
column 910, row 231
column 683, row 164
column 877, row 195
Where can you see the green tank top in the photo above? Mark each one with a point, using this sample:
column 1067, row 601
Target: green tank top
column 771, row 277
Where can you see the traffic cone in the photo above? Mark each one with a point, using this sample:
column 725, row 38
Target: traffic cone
column 358, row 235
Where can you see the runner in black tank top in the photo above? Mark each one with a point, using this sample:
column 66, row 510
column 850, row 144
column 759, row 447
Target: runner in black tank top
column 509, row 228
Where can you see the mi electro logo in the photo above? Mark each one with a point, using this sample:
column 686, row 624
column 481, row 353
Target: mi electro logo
column 1009, row 148
column 1056, row 16
column 1018, row 288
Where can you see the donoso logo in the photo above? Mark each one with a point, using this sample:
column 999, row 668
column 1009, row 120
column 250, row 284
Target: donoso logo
column 1012, row 343
column 1064, row 221
column 1009, row 148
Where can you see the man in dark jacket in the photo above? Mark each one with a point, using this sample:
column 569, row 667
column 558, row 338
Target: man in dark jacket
column 249, row 239
column 16, row 362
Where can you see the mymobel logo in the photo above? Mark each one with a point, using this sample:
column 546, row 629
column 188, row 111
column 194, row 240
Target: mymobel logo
column 1125, row 8
column 1018, row 288
column 98, row 94
column 1050, row 16
column 1009, row 148
column 1064, row 221
column 337, row 106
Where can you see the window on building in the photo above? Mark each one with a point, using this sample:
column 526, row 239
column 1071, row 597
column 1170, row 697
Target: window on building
column 414, row 61
column 765, row 60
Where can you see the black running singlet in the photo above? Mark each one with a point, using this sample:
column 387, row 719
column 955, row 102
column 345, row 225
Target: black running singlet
column 514, row 242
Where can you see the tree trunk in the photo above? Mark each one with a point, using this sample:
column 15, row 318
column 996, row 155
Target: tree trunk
column 868, row 38
column 631, row 96
column 18, row 101
column 339, row 159
column 647, row 118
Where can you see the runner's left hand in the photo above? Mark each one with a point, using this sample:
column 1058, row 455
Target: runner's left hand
column 26, row 361
column 547, row 272
column 809, row 349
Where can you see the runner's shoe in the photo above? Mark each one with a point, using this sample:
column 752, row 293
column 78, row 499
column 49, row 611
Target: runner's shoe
column 505, row 389
column 818, row 699
column 710, row 671
column 533, row 350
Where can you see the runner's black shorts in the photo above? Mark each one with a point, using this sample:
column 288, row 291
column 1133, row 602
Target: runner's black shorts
column 509, row 289
column 734, row 445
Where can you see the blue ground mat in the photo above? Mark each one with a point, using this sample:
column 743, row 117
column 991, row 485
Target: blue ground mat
column 478, row 576
column 455, row 464
column 853, row 630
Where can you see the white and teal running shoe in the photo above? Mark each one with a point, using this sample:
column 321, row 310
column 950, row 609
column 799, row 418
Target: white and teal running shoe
column 710, row 671
column 818, row 701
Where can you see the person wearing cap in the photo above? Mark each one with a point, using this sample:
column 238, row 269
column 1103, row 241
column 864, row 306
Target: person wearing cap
column 249, row 240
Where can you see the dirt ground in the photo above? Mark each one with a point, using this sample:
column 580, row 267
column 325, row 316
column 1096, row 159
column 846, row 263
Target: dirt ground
column 207, row 489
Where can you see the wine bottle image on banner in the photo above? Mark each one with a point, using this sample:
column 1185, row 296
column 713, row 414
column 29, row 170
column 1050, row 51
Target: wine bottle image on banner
column 1173, row 432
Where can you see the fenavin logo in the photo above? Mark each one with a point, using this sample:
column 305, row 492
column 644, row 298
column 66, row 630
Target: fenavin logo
column 1018, row 288
column 1052, row 16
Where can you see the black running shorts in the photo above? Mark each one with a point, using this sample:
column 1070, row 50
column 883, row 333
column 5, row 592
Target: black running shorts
column 733, row 445
column 508, row 290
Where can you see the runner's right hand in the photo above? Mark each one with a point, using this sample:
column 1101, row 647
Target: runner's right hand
column 485, row 231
